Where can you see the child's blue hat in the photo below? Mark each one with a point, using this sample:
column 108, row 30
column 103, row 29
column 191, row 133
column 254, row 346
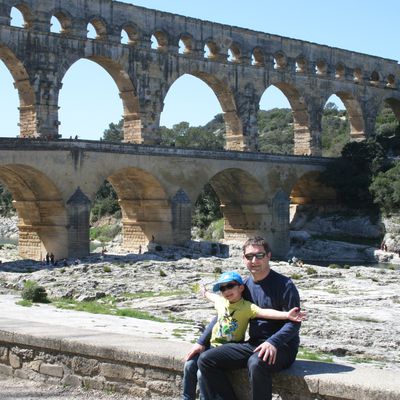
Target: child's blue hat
column 227, row 277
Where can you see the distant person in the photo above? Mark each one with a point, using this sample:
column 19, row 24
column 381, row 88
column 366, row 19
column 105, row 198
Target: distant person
column 52, row 258
column 233, row 316
column 47, row 259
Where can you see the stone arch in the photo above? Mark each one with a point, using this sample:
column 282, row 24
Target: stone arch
column 374, row 78
column 258, row 57
column 233, row 125
column 187, row 40
column 27, row 14
column 162, row 40
column 236, row 52
column 127, row 93
column 321, row 67
column 301, row 64
column 243, row 203
column 145, row 206
column 133, row 33
column 309, row 190
column 41, row 211
column 355, row 114
column 100, row 26
column 357, row 75
column 280, row 60
column 64, row 18
column 213, row 49
column 226, row 99
column 27, row 105
column 340, row 71
column 391, row 81
column 394, row 104
column 301, row 125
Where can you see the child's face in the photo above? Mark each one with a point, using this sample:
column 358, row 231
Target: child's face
column 232, row 291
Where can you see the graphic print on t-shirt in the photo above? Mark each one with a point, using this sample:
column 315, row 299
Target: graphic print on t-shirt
column 227, row 326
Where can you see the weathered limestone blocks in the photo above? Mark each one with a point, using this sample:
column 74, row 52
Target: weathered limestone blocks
column 138, row 379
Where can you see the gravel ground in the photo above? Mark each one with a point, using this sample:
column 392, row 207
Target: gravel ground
column 11, row 388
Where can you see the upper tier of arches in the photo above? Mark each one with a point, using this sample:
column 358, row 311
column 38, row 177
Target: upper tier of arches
column 112, row 21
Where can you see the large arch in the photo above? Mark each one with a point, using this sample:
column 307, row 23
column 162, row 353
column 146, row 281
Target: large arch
column 190, row 108
column 301, row 120
column 226, row 98
column 243, row 203
column 27, row 105
column 355, row 114
column 41, row 211
column 145, row 206
column 309, row 191
column 127, row 93
column 394, row 104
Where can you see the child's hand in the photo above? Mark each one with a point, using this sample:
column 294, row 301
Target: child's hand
column 296, row 315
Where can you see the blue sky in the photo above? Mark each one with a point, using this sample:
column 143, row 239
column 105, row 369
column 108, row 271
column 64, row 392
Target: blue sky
column 89, row 99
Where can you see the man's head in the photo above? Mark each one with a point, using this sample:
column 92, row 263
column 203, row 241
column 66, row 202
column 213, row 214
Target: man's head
column 231, row 286
column 256, row 256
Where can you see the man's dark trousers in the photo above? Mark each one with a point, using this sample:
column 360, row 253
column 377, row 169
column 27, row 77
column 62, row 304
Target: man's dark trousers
column 215, row 362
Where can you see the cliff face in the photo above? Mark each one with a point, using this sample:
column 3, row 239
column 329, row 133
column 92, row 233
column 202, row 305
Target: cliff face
column 392, row 233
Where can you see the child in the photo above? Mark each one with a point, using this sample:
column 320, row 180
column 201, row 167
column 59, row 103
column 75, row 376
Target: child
column 233, row 315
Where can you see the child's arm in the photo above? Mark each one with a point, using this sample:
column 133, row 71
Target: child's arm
column 208, row 295
column 294, row 314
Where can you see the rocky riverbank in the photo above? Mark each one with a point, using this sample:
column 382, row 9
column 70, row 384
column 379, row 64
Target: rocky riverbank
column 353, row 313
column 8, row 227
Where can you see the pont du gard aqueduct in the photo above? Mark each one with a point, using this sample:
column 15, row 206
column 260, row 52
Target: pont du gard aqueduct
column 53, row 180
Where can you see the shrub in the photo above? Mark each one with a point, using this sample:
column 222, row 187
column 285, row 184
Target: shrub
column 33, row 292
column 217, row 270
column 311, row 271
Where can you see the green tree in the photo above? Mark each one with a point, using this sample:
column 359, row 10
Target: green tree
column 335, row 130
column 207, row 208
column 351, row 175
column 186, row 136
column 105, row 202
column 6, row 207
column 114, row 132
column 276, row 133
column 385, row 189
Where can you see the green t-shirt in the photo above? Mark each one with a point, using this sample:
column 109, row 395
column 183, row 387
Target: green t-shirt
column 232, row 320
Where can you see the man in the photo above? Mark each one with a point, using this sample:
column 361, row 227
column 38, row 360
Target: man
column 273, row 344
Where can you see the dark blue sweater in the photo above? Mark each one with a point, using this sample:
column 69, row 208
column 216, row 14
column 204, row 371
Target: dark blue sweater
column 275, row 291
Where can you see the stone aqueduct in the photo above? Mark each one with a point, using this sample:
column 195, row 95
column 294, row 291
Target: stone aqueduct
column 53, row 186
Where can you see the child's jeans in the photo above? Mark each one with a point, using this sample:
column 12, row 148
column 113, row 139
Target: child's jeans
column 191, row 375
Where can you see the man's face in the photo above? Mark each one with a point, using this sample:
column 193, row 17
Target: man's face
column 257, row 261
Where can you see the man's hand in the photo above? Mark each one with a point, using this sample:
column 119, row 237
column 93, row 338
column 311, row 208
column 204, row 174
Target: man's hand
column 196, row 349
column 267, row 352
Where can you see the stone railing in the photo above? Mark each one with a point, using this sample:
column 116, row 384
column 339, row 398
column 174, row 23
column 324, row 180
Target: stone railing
column 152, row 368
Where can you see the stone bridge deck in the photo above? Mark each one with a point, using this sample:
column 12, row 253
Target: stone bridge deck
column 23, row 144
column 99, row 358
